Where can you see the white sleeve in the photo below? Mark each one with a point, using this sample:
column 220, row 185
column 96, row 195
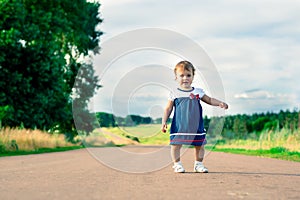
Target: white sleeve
column 200, row 91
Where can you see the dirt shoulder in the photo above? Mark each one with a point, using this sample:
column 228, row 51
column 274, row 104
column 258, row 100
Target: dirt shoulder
column 78, row 175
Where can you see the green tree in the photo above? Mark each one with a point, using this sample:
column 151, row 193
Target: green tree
column 215, row 126
column 240, row 127
column 259, row 124
column 106, row 119
column 40, row 44
column 84, row 88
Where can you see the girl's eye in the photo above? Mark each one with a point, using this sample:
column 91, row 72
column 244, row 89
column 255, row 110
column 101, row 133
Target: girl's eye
column 181, row 75
column 189, row 75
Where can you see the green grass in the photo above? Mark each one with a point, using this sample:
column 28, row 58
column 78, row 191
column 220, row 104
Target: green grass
column 282, row 144
column 278, row 153
column 39, row 151
column 147, row 134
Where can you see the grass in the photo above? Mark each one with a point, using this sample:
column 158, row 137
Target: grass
column 278, row 153
column 147, row 134
column 24, row 141
column 39, row 151
column 266, row 140
column 274, row 144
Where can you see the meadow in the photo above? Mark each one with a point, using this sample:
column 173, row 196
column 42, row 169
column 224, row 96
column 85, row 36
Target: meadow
column 282, row 144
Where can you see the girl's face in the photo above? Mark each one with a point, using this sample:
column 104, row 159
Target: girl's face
column 184, row 78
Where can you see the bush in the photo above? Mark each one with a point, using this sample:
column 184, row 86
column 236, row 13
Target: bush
column 278, row 150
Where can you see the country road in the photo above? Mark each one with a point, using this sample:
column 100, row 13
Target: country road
column 78, row 174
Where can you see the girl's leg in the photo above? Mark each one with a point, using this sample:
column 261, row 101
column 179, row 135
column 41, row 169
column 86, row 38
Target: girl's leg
column 175, row 152
column 199, row 153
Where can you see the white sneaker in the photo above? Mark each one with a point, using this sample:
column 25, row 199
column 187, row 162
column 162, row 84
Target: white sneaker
column 178, row 168
column 199, row 167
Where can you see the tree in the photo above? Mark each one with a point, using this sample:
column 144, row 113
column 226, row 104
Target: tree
column 106, row 119
column 240, row 127
column 84, row 88
column 40, row 44
column 259, row 124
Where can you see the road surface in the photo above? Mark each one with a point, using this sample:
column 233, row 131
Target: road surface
column 78, row 174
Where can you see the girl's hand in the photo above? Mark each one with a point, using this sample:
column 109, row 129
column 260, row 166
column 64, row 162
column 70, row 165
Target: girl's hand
column 223, row 105
column 164, row 128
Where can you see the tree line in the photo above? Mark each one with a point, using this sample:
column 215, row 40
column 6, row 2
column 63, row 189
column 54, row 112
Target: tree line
column 110, row 120
column 241, row 126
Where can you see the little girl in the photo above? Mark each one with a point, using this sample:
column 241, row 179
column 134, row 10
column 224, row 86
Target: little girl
column 187, row 124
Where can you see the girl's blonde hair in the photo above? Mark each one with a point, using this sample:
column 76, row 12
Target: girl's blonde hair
column 185, row 65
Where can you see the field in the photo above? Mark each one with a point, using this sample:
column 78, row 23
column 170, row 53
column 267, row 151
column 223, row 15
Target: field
column 280, row 144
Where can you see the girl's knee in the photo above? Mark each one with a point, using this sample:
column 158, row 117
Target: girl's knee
column 176, row 146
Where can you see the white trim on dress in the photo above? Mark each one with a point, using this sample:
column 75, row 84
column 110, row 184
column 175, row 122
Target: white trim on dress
column 188, row 133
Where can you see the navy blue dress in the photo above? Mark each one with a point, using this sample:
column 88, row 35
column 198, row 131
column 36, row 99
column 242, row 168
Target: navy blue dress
column 187, row 123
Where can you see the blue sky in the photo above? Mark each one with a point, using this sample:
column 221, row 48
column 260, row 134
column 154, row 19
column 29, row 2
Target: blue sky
column 254, row 46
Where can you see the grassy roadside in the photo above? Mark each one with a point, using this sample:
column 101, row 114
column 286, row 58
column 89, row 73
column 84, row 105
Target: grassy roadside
column 24, row 141
column 277, row 153
column 282, row 144
column 39, row 151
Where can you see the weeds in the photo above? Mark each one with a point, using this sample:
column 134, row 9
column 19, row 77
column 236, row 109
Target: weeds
column 12, row 140
column 267, row 140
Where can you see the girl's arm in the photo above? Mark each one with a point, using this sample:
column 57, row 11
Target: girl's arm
column 166, row 116
column 214, row 102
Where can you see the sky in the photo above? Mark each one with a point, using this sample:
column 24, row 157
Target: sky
column 251, row 48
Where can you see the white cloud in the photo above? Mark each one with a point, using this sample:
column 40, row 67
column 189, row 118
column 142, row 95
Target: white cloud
column 259, row 94
column 258, row 100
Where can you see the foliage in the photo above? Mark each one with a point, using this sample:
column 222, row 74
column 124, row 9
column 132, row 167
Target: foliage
column 84, row 87
column 40, row 44
column 110, row 120
column 106, row 119
column 243, row 126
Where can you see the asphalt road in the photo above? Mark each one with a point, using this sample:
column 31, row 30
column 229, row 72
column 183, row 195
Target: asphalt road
column 79, row 174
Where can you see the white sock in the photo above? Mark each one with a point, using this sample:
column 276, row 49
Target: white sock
column 178, row 163
column 196, row 162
